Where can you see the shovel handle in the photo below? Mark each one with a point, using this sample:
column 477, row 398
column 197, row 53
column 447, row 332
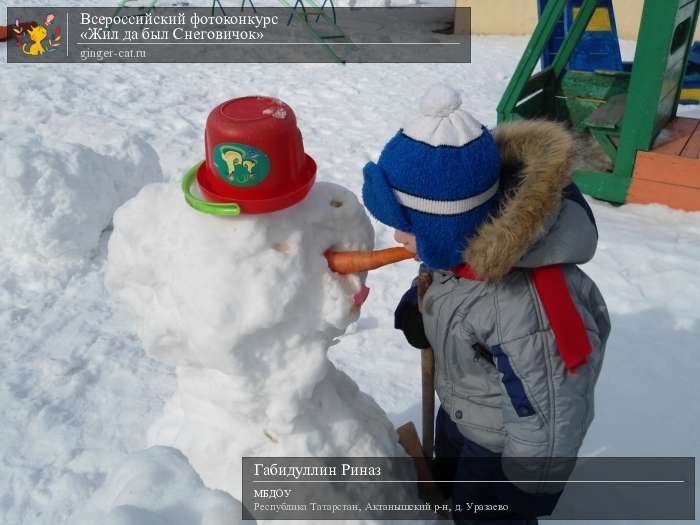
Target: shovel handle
column 427, row 366
column 428, row 399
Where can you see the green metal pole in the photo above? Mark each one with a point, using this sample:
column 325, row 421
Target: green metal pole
column 650, row 61
column 535, row 47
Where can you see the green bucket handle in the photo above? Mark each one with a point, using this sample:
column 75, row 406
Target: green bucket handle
column 223, row 209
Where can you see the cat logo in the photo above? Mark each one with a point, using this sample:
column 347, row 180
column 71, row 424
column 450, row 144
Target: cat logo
column 241, row 165
column 34, row 40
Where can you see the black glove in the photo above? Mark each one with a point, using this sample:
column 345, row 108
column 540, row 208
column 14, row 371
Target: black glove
column 409, row 320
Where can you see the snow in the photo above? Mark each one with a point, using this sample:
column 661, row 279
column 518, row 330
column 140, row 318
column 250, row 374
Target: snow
column 157, row 486
column 203, row 288
column 79, row 393
column 60, row 194
column 246, row 309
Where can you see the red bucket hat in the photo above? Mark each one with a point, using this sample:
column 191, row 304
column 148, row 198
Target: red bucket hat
column 255, row 160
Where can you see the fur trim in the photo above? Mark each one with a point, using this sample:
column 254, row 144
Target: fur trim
column 537, row 157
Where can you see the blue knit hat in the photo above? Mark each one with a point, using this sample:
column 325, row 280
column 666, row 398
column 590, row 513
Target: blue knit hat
column 437, row 178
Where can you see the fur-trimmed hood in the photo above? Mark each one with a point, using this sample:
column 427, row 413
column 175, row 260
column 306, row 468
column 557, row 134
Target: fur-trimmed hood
column 535, row 225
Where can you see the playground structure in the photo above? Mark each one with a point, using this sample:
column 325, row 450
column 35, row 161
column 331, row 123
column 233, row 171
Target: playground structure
column 691, row 83
column 325, row 32
column 631, row 114
column 314, row 18
column 323, row 28
column 599, row 47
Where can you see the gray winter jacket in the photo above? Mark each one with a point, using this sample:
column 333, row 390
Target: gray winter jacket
column 499, row 374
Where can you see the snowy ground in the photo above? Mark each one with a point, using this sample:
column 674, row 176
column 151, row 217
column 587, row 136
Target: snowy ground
column 77, row 392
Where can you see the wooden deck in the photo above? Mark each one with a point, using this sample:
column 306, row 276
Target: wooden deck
column 670, row 173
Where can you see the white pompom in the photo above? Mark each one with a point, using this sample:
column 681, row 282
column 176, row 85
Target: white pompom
column 440, row 100
column 442, row 121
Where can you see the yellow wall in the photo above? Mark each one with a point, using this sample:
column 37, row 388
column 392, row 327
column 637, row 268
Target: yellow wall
column 518, row 17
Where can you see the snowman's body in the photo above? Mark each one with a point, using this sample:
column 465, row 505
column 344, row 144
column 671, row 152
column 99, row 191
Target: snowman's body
column 246, row 309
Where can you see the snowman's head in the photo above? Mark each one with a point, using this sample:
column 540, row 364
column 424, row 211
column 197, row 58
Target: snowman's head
column 230, row 293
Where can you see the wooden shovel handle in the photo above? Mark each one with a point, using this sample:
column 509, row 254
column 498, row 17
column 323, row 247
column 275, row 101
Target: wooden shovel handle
column 427, row 366
column 428, row 401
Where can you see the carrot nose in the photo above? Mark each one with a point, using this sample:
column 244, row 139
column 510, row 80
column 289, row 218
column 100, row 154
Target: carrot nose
column 364, row 261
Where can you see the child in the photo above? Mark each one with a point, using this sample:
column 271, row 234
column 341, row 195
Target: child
column 517, row 329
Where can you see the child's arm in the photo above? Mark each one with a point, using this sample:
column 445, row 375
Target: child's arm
column 407, row 316
column 409, row 320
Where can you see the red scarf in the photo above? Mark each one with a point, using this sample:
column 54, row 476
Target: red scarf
column 567, row 325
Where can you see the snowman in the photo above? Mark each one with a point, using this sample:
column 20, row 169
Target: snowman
column 241, row 301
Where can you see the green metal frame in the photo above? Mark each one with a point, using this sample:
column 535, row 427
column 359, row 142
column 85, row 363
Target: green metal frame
column 336, row 37
column 652, row 90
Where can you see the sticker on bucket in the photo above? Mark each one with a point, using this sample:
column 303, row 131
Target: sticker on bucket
column 241, row 165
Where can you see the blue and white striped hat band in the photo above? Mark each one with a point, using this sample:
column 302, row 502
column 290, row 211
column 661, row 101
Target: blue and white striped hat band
column 445, row 207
